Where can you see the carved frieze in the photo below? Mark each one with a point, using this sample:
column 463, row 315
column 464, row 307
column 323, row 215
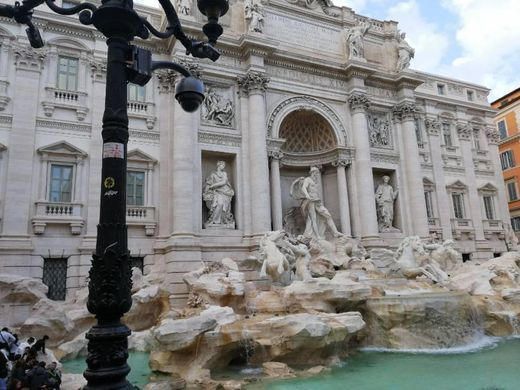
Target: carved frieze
column 433, row 126
column 326, row 6
column 217, row 108
column 253, row 82
column 464, row 131
column 379, row 130
column 207, row 137
column 166, row 80
column 359, row 101
column 492, row 136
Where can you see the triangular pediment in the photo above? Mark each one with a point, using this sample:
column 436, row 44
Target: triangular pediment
column 427, row 182
column 62, row 148
column 137, row 155
column 457, row 185
column 488, row 188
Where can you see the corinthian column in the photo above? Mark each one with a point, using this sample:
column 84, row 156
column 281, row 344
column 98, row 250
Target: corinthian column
column 344, row 210
column 276, row 190
column 359, row 104
column 254, row 84
column 404, row 114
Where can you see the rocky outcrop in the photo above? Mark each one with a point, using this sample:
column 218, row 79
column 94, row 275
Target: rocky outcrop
column 17, row 296
column 427, row 320
column 193, row 347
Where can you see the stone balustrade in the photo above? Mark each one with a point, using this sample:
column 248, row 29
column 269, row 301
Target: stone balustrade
column 142, row 110
column 59, row 98
column 58, row 214
column 142, row 216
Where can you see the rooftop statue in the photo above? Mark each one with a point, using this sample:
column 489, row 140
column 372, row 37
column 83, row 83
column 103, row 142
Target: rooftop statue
column 405, row 52
column 355, row 40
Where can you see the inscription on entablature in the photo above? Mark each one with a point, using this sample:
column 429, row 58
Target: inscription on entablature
column 291, row 74
column 381, row 92
column 303, row 33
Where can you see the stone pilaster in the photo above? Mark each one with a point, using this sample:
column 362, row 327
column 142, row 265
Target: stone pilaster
column 475, row 209
column 276, row 190
column 254, row 85
column 359, row 104
column 442, row 211
column 344, row 209
column 20, row 180
column 493, row 138
column 404, row 114
column 165, row 81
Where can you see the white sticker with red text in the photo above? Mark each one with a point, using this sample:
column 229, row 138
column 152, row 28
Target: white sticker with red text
column 113, row 150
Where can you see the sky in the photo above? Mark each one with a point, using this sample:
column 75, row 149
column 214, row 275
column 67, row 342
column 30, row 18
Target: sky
column 471, row 40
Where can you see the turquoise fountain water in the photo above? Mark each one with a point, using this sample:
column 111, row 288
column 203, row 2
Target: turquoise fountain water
column 493, row 367
column 139, row 376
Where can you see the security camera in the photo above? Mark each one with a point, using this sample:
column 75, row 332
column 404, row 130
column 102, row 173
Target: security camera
column 201, row 49
column 189, row 92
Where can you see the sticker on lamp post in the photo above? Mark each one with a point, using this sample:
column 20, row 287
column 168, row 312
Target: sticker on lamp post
column 113, row 150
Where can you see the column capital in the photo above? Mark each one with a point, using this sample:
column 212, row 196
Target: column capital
column 98, row 69
column 433, row 126
column 275, row 154
column 27, row 58
column 166, row 79
column 404, row 111
column 464, row 131
column 358, row 101
column 253, row 82
column 341, row 162
column 492, row 135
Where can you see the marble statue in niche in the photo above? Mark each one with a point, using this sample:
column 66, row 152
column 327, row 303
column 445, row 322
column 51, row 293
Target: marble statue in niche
column 217, row 109
column 217, row 194
column 379, row 131
column 254, row 13
column 355, row 40
column 317, row 217
column 385, row 198
column 404, row 51
column 184, row 7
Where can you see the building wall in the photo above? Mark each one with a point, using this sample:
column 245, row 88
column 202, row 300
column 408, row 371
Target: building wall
column 508, row 113
column 265, row 77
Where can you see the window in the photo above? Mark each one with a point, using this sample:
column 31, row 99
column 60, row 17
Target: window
column 470, row 95
column 488, row 206
column 68, row 73
column 55, row 277
column 441, row 89
column 502, row 129
column 466, row 257
column 511, row 190
column 428, row 198
column 476, row 139
column 446, row 133
column 507, row 159
column 515, row 224
column 136, row 93
column 60, row 188
column 458, row 205
column 135, row 188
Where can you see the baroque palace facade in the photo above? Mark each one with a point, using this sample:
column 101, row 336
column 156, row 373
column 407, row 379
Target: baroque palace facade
column 299, row 84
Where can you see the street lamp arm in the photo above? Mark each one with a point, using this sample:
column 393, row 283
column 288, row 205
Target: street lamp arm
column 159, row 34
column 171, row 65
column 84, row 17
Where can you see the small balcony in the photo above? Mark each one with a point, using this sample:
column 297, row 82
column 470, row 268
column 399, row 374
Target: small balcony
column 493, row 227
column 144, row 111
column 462, row 227
column 142, row 216
column 72, row 100
column 58, row 214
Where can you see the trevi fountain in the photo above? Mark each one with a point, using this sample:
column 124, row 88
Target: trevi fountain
column 321, row 297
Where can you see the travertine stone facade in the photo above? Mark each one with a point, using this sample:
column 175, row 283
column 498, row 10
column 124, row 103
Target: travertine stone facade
column 288, row 94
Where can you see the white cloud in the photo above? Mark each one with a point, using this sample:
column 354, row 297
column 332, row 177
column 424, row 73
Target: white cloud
column 429, row 42
column 489, row 36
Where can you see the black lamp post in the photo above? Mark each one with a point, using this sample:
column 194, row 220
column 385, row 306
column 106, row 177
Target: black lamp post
column 110, row 275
